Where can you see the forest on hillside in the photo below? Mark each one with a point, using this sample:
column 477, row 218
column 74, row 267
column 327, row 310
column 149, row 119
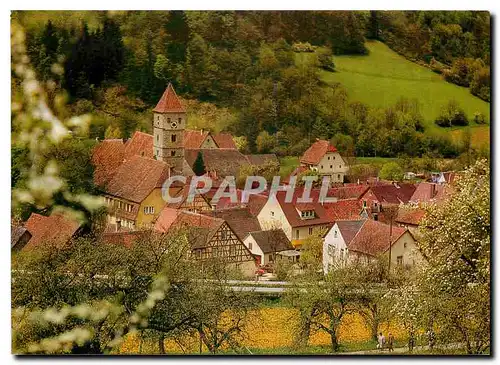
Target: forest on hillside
column 236, row 70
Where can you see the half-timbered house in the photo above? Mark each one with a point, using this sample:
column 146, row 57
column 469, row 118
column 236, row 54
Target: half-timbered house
column 210, row 238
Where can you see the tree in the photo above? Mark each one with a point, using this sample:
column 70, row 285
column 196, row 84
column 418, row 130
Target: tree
column 265, row 142
column 322, row 306
column 451, row 293
column 456, row 241
column 112, row 133
column 162, row 68
column 199, row 165
column 452, row 114
column 391, row 171
column 325, row 59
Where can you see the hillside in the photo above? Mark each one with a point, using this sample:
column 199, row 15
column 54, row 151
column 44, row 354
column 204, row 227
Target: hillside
column 382, row 77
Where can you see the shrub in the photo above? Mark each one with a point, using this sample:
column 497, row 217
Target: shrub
column 391, row 171
column 303, row 47
column 480, row 84
column 325, row 60
column 452, row 115
column 479, row 118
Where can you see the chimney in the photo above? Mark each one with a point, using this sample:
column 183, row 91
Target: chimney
column 433, row 191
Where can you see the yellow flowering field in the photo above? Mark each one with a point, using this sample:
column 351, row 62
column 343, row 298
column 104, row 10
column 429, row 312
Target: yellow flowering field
column 270, row 328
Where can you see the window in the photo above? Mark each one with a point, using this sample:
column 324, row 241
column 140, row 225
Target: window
column 173, row 137
column 340, row 166
column 296, row 234
column 334, row 157
column 339, row 176
column 331, row 166
column 272, row 214
column 250, row 245
column 335, row 234
column 172, row 153
column 180, row 120
column 404, row 245
column 168, row 120
column 364, row 203
column 310, row 230
column 223, row 235
column 400, row 260
column 271, row 258
column 321, row 166
column 149, row 210
column 328, row 158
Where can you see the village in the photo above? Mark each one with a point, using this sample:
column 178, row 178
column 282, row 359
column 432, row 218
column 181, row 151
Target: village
column 360, row 220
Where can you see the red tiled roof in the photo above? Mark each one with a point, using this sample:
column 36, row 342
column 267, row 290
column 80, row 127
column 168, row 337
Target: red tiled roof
column 224, row 161
column 141, row 144
column 349, row 228
column 107, row 156
column 136, row 178
column 274, row 240
column 344, row 209
column 411, row 216
column 347, row 192
column 373, row 238
column 315, row 153
column 392, row 194
column 293, row 217
column 240, row 220
column 55, row 229
column 426, row 192
column 256, row 203
column 261, row 159
column 224, row 140
column 170, row 218
column 126, row 239
column 169, row 102
column 194, row 139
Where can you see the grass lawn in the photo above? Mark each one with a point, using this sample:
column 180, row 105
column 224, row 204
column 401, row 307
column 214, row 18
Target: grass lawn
column 287, row 165
column 382, row 77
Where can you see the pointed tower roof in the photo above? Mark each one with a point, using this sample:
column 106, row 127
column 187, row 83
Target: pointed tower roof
column 169, row 102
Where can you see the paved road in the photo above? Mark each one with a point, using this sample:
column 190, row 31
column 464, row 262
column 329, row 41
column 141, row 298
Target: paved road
column 402, row 350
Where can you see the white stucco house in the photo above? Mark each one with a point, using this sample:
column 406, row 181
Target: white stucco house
column 351, row 241
column 324, row 158
column 266, row 246
column 297, row 220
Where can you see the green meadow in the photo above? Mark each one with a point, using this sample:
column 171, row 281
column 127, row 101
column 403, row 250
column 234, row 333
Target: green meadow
column 382, row 77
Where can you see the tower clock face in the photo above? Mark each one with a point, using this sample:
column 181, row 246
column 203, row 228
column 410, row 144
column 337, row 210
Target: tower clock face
column 173, row 125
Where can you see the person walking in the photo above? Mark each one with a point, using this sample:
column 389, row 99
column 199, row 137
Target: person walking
column 431, row 336
column 390, row 342
column 381, row 341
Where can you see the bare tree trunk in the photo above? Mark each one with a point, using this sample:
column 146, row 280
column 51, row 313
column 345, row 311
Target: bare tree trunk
column 334, row 341
column 161, row 344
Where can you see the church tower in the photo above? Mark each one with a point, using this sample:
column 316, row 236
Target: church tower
column 169, row 122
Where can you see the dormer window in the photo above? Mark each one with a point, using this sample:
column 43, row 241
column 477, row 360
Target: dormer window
column 307, row 214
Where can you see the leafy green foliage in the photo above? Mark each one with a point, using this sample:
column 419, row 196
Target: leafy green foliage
column 452, row 115
column 391, row 171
